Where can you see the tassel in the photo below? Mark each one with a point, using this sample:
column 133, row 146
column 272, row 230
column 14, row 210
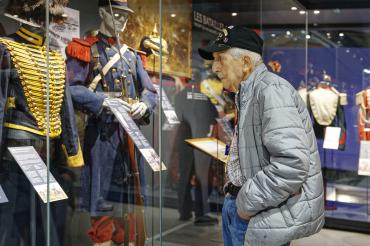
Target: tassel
column 79, row 49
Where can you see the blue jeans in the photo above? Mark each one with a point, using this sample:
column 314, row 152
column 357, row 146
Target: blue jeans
column 233, row 227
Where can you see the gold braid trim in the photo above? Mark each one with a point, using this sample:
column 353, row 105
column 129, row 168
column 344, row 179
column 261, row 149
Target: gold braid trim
column 30, row 62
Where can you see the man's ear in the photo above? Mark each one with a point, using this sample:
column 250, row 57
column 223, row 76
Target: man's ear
column 247, row 61
column 247, row 66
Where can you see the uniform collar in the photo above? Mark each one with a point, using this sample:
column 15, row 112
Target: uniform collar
column 107, row 40
column 30, row 35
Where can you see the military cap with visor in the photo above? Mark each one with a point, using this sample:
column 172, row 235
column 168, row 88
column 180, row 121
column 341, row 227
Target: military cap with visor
column 117, row 4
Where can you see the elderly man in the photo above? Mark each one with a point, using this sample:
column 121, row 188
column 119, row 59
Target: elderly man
column 275, row 189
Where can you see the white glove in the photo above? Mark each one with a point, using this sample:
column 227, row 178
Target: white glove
column 138, row 110
column 125, row 105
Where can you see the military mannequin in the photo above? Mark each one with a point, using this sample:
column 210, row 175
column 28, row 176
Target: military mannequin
column 23, row 123
column 326, row 105
column 105, row 143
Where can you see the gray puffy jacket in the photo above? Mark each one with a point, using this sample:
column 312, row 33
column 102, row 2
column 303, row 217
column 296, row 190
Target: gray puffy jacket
column 278, row 156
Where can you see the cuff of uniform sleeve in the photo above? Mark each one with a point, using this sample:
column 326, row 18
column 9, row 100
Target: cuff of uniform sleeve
column 74, row 160
column 101, row 108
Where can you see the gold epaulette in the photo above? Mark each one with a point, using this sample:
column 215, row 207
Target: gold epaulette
column 30, row 62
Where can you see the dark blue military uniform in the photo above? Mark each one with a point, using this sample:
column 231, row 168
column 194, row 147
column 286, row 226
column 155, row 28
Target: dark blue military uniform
column 20, row 126
column 105, row 153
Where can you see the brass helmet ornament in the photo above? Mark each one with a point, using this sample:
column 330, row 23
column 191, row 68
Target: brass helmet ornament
column 34, row 10
column 151, row 44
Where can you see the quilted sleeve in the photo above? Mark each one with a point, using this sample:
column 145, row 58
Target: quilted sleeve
column 285, row 138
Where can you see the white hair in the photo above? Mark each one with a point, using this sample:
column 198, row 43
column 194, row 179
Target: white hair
column 238, row 53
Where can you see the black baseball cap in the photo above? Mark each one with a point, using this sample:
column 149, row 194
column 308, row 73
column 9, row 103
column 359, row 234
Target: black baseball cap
column 233, row 37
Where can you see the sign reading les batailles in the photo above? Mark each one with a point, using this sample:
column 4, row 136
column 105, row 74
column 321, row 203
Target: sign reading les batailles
column 207, row 23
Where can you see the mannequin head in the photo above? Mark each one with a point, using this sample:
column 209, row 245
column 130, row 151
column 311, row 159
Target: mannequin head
column 33, row 12
column 112, row 25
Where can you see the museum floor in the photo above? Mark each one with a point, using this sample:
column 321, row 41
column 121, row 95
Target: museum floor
column 177, row 233
column 181, row 234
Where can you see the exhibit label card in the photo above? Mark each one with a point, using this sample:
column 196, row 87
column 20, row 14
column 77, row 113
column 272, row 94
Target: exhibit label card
column 137, row 137
column 168, row 110
column 364, row 160
column 332, row 137
column 36, row 171
column 210, row 146
column 3, row 198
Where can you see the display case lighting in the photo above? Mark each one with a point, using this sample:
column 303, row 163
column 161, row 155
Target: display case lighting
column 366, row 71
column 273, row 35
column 302, row 12
column 294, row 8
column 316, row 12
column 308, row 36
column 173, row 15
column 341, row 34
column 234, row 14
column 288, row 33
